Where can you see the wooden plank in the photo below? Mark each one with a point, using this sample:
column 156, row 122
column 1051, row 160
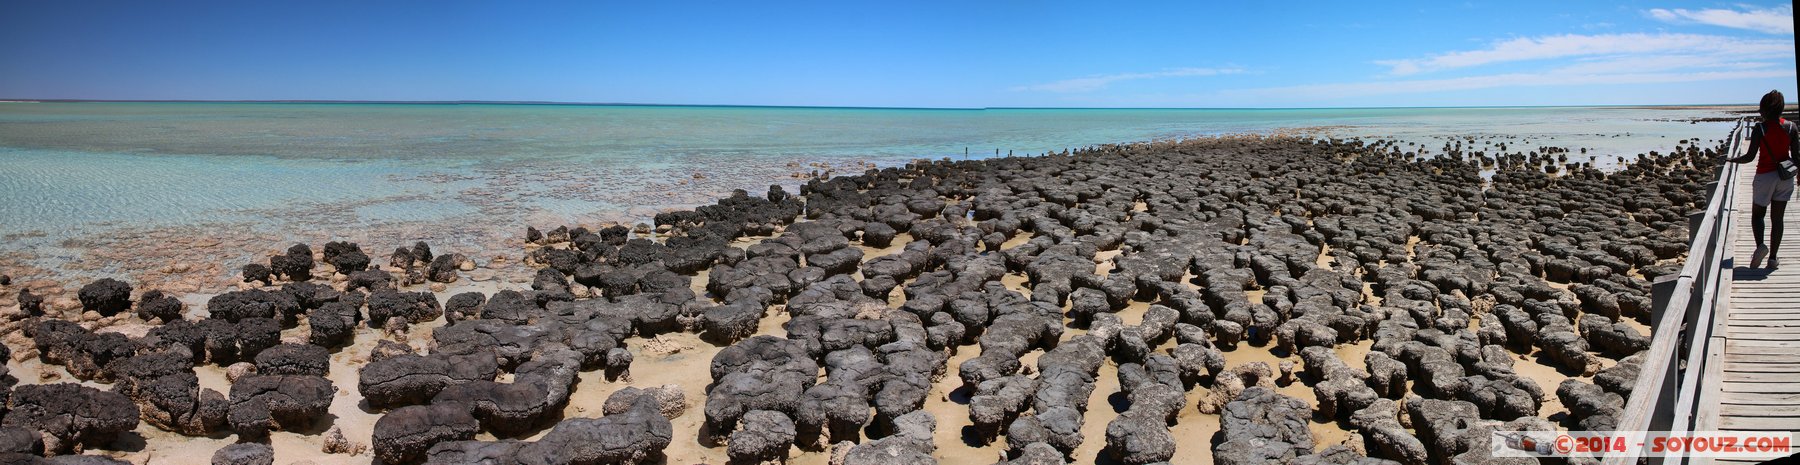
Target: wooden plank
column 1766, row 326
column 1760, row 388
column 1766, row 302
column 1762, row 400
column 1761, row 324
column 1764, row 284
column 1787, row 308
column 1738, row 347
column 1770, row 367
column 1749, row 326
column 1763, row 377
column 1762, row 329
column 1752, row 305
column 1706, row 410
column 1763, row 366
column 1750, row 336
column 1795, row 344
column 1745, row 403
column 1756, row 301
column 1758, row 411
column 1761, row 317
column 1792, row 315
column 1760, row 337
column 1710, row 388
column 1762, row 320
column 1774, row 315
column 1736, row 321
column 1766, row 299
column 1761, row 357
column 1759, row 423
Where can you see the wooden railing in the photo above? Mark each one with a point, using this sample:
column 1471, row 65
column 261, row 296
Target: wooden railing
column 1685, row 344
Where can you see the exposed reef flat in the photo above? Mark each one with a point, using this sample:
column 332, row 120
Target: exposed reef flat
column 1230, row 300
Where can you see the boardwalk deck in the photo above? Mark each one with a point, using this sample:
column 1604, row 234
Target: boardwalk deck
column 1758, row 377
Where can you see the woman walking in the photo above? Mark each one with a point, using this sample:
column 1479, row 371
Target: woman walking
column 1777, row 141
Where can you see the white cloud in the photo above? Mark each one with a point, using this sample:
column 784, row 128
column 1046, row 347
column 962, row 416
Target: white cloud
column 1658, row 63
column 1093, row 83
column 1326, row 92
column 1569, row 60
column 1778, row 20
column 1579, row 45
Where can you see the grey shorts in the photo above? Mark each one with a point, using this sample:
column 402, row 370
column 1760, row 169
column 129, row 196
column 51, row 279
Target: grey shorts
column 1770, row 187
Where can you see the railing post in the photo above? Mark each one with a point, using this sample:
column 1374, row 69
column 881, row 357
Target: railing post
column 1660, row 290
column 1694, row 219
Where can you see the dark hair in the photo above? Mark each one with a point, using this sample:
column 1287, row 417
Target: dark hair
column 1772, row 105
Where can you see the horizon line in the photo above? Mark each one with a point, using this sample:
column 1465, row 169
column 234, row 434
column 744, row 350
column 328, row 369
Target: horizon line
column 834, row 107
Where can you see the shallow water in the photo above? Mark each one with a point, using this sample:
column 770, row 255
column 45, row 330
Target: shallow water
column 469, row 174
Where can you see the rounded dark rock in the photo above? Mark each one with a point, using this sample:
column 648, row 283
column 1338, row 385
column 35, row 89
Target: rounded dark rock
column 296, row 265
column 260, row 403
column 106, row 296
column 254, row 303
column 637, row 436
column 293, row 359
column 1139, row 439
column 226, row 342
column 30, row 304
column 69, row 414
column 333, row 324
column 762, row 436
column 404, row 435
column 464, row 306
column 415, row 379
column 158, row 305
column 347, row 257
column 414, row 307
column 257, row 272
column 444, row 268
column 369, row 280
column 244, row 453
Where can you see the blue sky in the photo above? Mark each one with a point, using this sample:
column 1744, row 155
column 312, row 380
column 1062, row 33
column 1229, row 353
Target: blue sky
column 905, row 54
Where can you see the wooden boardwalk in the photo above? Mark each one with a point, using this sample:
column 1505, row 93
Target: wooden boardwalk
column 1757, row 381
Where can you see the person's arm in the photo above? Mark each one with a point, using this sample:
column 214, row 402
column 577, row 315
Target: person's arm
column 1755, row 142
column 1793, row 132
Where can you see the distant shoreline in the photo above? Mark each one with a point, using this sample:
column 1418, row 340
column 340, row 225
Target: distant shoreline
column 829, row 107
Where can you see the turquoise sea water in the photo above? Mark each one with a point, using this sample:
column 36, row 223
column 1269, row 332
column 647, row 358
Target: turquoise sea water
column 72, row 169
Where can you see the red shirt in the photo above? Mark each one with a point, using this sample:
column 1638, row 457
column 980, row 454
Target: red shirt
column 1776, row 142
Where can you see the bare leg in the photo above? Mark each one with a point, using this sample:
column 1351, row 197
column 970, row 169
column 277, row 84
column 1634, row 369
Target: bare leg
column 1756, row 222
column 1775, row 214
